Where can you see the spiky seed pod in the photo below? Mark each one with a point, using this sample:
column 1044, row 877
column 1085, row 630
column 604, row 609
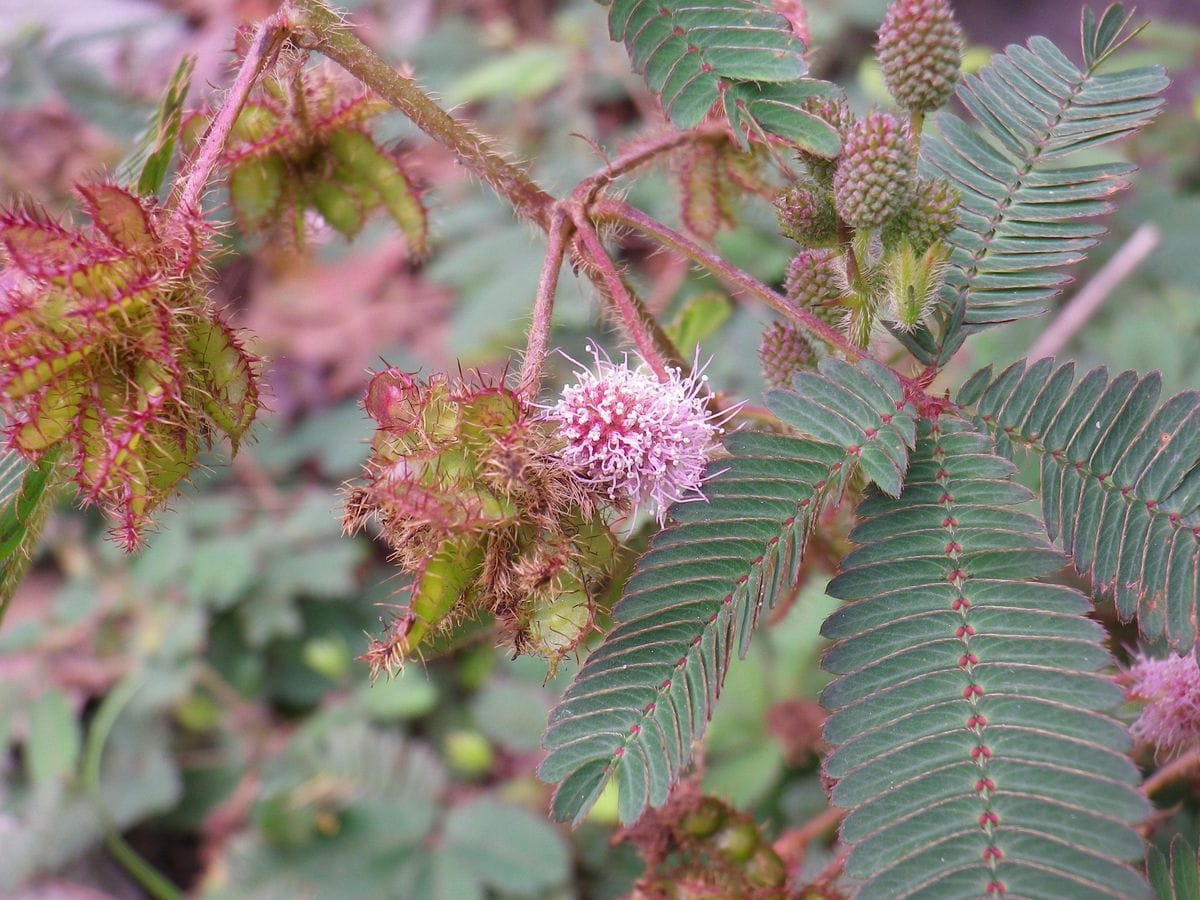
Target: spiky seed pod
column 806, row 215
column 816, row 281
column 930, row 218
column 920, row 52
column 783, row 352
column 110, row 350
column 875, row 173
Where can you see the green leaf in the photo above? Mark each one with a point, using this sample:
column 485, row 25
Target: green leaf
column 524, row 74
column 26, row 497
column 54, row 743
column 1021, row 211
column 1178, row 879
column 647, row 692
column 861, row 409
column 148, row 164
column 739, row 52
column 970, row 718
column 1120, row 482
column 699, row 319
column 509, row 849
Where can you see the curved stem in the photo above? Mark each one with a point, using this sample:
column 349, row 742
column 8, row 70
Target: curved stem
column 626, row 308
column 264, row 47
column 1182, row 767
column 543, row 304
column 624, row 214
column 321, row 30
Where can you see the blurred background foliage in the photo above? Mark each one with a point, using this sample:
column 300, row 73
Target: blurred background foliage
column 198, row 707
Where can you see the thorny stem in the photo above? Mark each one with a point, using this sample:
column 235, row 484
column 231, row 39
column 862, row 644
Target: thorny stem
column 543, row 304
column 320, row 29
column 631, row 315
column 623, row 213
column 264, row 47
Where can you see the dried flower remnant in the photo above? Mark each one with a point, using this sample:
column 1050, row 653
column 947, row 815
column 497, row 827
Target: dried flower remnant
column 633, row 438
column 1170, row 688
column 111, row 351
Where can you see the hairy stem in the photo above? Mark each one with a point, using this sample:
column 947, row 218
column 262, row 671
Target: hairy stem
column 1183, row 767
column 636, row 323
column 264, row 47
column 624, row 214
column 645, row 152
column 543, row 304
column 321, row 30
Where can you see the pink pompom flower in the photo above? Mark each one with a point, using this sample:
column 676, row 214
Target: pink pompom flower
column 635, row 438
column 1171, row 690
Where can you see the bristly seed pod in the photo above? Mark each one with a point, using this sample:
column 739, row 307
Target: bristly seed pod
column 875, row 173
column 920, row 51
column 110, row 349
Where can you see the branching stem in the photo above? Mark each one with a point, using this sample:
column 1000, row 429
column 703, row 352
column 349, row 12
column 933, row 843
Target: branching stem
column 317, row 28
column 628, row 310
column 624, row 214
column 264, row 48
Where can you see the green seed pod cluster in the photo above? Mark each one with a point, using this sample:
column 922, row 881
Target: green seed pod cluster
column 920, row 51
column 467, row 492
column 305, row 144
column 782, row 352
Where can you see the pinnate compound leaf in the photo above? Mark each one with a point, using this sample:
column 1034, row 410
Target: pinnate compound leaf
column 1023, row 215
column 972, row 731
column 1120, row 479
column 861, row 409
column 741, row 53
column 647, row 692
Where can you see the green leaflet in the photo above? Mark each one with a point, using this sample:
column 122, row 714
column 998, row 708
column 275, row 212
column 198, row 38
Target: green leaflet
column 1177, row 878
column 740, row 52
column 26, row 496
column 970, row 719
column 647, row 692
column 1120, row 480
column 1022, row 214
